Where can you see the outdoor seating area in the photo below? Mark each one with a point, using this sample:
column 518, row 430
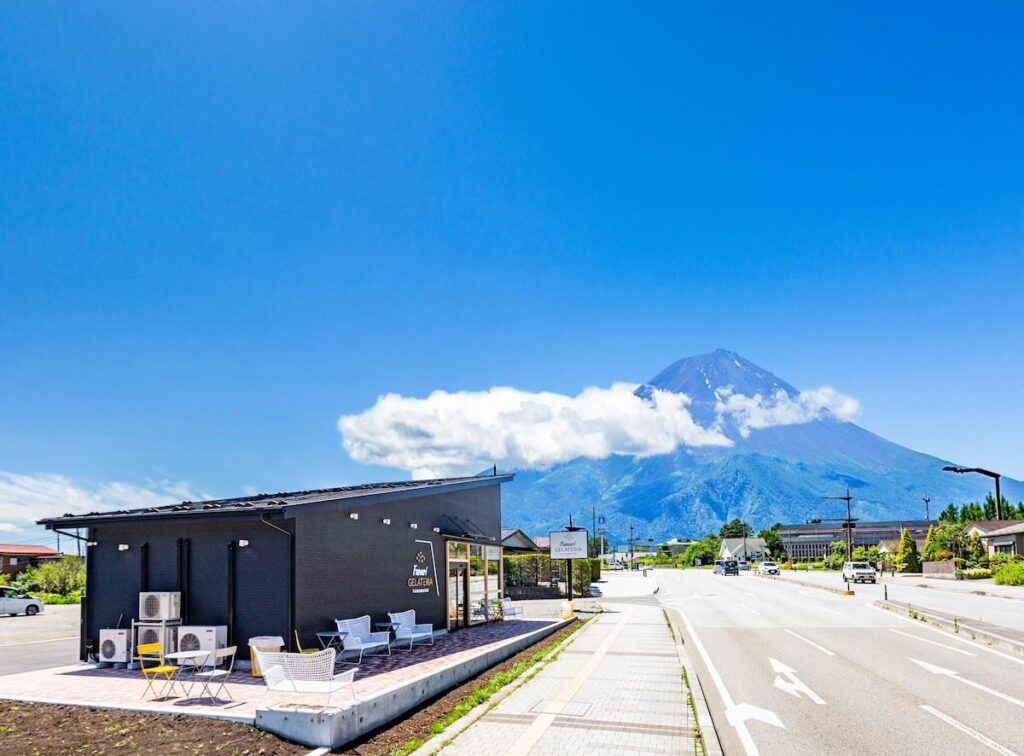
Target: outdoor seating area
column 210, row 686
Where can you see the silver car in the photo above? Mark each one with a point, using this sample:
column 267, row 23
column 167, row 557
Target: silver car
column 855, row 572
column 13, row 601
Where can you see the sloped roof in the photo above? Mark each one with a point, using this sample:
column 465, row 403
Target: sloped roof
column 1014, row 527
column 366, row 493
column 27, row 551
column 988, row 526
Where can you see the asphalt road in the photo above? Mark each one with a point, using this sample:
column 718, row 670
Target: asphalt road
column 950, row 596
column 791, row 670
column 25, row 657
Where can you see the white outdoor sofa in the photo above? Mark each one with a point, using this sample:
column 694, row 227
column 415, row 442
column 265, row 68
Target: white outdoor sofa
column 406, row 629
column 303, row 673
column 359, row 638
column 509, row 610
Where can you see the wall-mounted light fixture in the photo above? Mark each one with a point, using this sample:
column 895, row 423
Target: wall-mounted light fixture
column 123, row 547
column 353, row 516
column 413, row 525
column 90, row 543
column 437, row 530
column 386, row 521
column 242, row 543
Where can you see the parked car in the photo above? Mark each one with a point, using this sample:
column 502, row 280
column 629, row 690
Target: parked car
column 730, row 567
column 13, row 601
column 856, row 572
column 768, row 568
column 719, row 566
column 744, row 564
column 615, row 566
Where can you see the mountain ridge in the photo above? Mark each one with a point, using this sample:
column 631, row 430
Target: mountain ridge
column 768, row 475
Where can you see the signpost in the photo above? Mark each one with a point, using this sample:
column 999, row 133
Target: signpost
column 568, row 545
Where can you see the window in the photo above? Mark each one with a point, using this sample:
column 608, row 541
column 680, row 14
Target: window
column 457, row 550
column 13, row 561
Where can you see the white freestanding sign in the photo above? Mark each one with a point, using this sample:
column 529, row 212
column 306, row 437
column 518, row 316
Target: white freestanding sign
column 568, row 544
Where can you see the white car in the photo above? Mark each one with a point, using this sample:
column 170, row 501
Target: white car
column 856, row 572
column 13, row 601
column 768, row 568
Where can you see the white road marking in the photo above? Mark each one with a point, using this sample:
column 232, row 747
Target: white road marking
column 809, row 642
column 737, row 715
column 748, row 593
column 752, row 611
column 968, row 731
column 934, row 643
column 791, row 684
column 937, row 670
column 926, row 626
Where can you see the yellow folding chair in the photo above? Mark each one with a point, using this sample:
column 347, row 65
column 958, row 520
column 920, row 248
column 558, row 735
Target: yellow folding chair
column 154, row 652
column 302, row 650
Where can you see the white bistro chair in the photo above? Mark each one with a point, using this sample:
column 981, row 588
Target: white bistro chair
column 216, row 673
column 303, row 673
column 359, row 638
column 509, row 610
column 406, row 629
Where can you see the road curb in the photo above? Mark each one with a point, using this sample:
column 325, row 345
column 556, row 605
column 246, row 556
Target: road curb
column 954, row 626
column 706, row 725
column 838, row 591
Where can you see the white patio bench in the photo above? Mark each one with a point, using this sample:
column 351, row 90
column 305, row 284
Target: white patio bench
column 406, row 628
column 303, row 673
column 359, row 638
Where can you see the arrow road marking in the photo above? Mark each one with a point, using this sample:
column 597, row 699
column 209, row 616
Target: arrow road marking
column 742, row 712
column 968, row 731
column 926, row 640
column 809, row 642
column 791, row 684
column 937, row 670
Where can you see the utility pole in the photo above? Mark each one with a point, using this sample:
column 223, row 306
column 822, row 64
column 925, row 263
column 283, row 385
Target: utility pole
column 848, row 524
column 593, row 522
column 926, row 500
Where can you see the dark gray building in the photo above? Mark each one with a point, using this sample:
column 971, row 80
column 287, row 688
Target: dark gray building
column 273, row 564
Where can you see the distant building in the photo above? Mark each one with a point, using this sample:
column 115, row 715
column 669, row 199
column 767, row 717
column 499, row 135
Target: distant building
column 1008, row 539
column 750, row 549
column 515, row 541
column 674, row 545
column 15, row 559
column 811, row 541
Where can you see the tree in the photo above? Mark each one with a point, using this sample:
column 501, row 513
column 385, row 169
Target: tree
column 836, row 556
column 773, row 542
column 594, row 545
column 949, row 514
column 706, row 550
column 736, row 528
column 63, row 576
column 907, row 557
column 929, row 543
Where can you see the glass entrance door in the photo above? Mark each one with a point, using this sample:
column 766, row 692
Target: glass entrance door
column 458, row 595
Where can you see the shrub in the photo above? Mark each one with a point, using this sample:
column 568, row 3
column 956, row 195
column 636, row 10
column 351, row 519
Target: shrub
column 595, row 570
column 527, row 569
column 63, row 577
column 581, row 577
column 976, row 573
column 1010, row 574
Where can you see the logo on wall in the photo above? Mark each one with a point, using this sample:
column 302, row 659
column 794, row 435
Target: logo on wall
column 422, row 580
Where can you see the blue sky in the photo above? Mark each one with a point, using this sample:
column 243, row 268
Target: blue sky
column 223, row 227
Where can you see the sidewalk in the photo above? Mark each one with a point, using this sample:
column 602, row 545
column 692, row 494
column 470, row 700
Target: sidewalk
column 616, row 689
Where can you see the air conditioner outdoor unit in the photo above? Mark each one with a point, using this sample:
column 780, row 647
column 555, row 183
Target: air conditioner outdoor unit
column 114, row 646
column 159, row 606
column 202, row 637
column 157, row 632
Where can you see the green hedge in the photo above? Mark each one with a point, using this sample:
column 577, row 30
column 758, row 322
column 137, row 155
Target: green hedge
column 595, row 570
column 527, row 569
column 1010, row 574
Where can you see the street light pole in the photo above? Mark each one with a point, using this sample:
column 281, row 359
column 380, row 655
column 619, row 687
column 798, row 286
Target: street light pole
column 849, row 522
column 981, row 471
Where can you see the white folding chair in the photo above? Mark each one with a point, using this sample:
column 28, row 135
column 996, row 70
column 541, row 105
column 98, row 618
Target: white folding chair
column 217, row 674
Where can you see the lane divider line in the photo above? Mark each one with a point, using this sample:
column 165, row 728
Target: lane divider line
column 809, row 642
column 983, row 739
column 934, row 643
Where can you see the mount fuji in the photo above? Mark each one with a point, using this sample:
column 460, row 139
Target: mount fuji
column 771, row 472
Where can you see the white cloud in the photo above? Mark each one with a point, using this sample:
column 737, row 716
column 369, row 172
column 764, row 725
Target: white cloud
column 467, row 431
column 756, row 412
column 27, row 498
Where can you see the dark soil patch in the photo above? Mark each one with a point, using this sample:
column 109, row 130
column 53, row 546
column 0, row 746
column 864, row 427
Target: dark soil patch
column 416, row 724
column 28, row 728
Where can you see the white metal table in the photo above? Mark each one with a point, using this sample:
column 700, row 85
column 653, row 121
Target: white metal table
column 189, row 662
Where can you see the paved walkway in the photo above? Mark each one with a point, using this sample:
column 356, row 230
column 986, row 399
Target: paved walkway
column 616, row 689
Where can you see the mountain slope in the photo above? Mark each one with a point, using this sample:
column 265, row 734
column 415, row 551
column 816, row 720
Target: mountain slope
column 771, row 474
